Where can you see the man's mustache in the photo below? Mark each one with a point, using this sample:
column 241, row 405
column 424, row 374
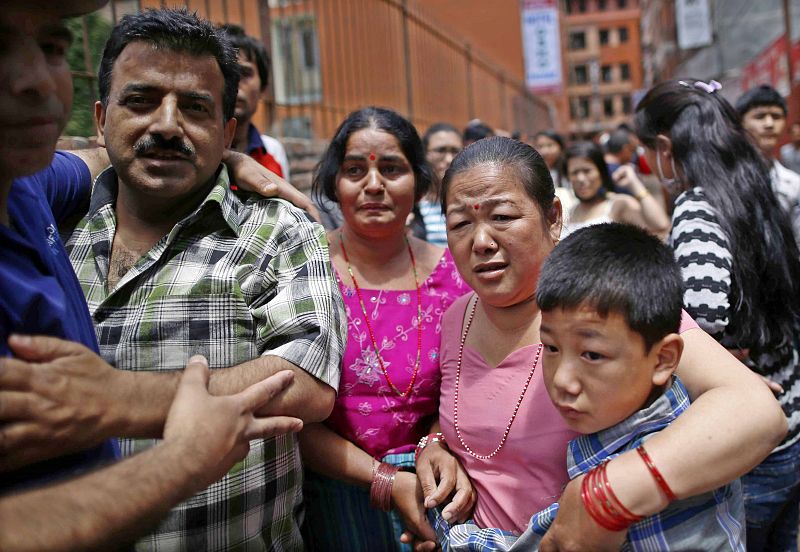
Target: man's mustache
column 156, row 142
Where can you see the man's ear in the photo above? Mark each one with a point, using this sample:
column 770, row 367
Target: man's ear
column 100, row 123
column 668, row 354
column 230, row 131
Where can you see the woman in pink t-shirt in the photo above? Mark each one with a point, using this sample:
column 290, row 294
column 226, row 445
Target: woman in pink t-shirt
column 395, row 289
column 502, row 222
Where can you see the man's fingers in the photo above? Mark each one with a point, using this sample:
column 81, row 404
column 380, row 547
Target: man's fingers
column 15, row 375
column 17, row 438
column 270, row 426
column 260, row 393
column 41, row 348
column 15, row 405
column 195, row 374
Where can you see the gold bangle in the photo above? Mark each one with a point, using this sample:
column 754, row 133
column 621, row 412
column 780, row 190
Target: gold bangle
column 641, row 195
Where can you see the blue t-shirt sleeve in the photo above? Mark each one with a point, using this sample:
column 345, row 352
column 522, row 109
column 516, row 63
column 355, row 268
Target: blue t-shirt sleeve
column 67, row 183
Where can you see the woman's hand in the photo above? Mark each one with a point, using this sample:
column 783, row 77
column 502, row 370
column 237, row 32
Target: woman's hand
column 574, row 530
column 407, row 500
column 440, row 473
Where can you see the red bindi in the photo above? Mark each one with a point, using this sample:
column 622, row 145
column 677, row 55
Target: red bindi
column 371, row 156
column 476, row 206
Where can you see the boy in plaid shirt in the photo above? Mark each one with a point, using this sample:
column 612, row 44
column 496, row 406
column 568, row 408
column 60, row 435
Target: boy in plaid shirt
column 610, row 297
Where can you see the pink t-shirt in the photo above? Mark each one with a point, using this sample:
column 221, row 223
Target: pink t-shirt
column 367, row 411
column 530, row 471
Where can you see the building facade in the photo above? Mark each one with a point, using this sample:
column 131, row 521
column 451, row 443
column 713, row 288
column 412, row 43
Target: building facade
column 602, row 63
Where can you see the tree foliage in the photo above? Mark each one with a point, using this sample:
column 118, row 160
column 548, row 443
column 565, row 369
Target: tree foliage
column 81, row 122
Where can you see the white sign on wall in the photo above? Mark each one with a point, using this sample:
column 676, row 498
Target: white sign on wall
column 541, row 42
column 693, row 20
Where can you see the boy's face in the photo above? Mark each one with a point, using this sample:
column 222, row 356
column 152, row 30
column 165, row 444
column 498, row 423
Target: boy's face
column 596, row 369
column 766, row 123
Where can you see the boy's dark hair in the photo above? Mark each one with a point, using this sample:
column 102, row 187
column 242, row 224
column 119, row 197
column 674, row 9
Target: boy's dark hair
column 253, row 49
column 617, row 268
column 179, row 31
column 760, row 96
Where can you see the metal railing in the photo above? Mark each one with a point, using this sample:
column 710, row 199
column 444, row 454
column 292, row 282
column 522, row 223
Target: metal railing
column 333, row 56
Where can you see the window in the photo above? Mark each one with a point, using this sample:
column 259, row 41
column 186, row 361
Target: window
column 579, row 107
column 622, row 4
column 623, row 34
column 582, row 6
column 577, row 40
column 576, row 5
column 625, row 71
column 603, row 37
column 626, row 105
column 605, row 73
column 580, row 75
column 608, row 107
column 295, row 55
column 601, row 4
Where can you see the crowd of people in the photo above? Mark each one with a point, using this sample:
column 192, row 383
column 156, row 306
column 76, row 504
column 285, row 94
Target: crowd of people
column 489, row 342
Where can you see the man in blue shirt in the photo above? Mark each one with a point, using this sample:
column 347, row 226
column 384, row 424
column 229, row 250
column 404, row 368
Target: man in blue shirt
column 67, row 502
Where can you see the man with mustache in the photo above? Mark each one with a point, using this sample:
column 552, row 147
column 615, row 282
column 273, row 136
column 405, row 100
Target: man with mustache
column 172, row 262
column 70, row 501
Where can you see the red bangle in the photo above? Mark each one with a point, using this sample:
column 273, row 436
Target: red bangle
column 602, row 504
column 380, row 491
column 662, row 483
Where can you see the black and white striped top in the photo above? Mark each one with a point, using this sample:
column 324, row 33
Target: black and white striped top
column 703, row 253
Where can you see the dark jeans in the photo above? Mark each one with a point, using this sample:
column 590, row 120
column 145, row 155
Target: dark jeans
column 771, row 500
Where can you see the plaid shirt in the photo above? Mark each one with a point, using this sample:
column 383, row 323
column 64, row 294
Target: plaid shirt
column 711, row 521
column 241, row 276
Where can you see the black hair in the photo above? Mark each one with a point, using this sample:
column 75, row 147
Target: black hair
column 437, row 127
column 617, row 140
column 594, row 153
column 177, row 30
column 505, row 152
column 760, row 96
column 713, row 151
column 617, row 268
column 252, row 48
column 477, row 131
column 552, row 135
column 379, row 118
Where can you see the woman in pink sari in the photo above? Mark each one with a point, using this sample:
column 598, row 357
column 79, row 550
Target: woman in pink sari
column 396, row 289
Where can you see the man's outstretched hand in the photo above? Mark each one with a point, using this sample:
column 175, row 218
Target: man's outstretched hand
column 215, row 431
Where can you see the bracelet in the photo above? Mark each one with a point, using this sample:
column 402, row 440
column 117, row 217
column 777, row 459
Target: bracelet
column 602, row 504
column 427, row 440
column 380, row 492
column 641, row 195
column 662, row 483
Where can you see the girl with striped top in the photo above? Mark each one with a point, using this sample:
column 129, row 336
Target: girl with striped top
column 740, row 265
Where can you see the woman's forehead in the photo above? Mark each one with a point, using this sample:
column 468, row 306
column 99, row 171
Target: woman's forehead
column 487, row 182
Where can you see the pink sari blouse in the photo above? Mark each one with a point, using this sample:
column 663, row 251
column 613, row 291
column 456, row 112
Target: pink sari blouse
column 367, row 411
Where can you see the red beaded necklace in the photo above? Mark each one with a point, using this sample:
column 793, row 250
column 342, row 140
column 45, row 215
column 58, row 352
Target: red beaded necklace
column 402, row 394
column 455, row 399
